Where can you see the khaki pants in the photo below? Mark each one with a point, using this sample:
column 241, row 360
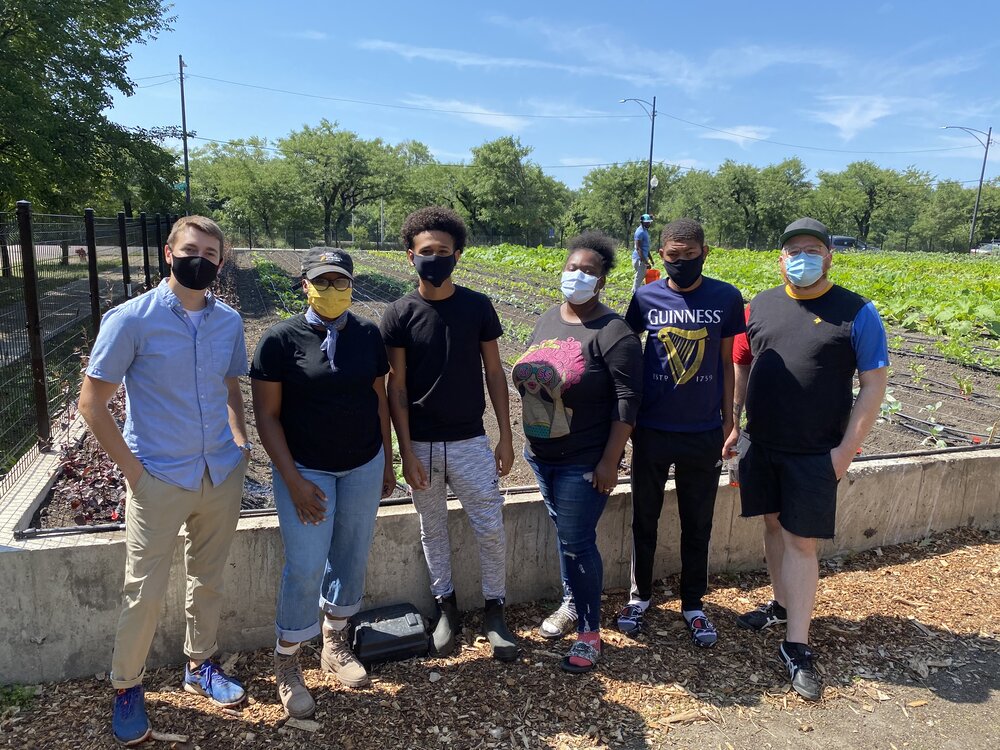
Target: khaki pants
column 155, row 512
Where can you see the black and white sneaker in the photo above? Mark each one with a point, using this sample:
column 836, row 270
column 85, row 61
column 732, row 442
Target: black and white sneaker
column 763, row 617
column 798, row 660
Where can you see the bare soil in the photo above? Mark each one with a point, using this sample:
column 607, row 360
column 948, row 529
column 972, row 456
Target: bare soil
column 940, row 404
column 907, row 638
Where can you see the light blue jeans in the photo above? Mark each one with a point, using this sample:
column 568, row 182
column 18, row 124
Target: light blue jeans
column 328, row 559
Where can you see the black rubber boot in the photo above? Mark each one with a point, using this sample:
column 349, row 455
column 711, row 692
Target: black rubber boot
column 448, row 625
column 495, row 629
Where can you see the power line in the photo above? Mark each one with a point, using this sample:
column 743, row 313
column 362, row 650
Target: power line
column 466, row 166
column 161, row 75
column 388, row 105
column 159, row 83
column 479, row 113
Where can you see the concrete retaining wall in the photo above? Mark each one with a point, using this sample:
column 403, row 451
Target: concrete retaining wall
column 61, row 599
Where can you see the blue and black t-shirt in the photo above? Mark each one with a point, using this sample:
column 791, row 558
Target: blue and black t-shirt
column 805, row 353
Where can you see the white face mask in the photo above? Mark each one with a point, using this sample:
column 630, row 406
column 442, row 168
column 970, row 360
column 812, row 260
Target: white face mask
column 578, row 287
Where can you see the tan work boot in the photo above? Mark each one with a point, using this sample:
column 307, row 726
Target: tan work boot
column 339, row 660
column 292, row 690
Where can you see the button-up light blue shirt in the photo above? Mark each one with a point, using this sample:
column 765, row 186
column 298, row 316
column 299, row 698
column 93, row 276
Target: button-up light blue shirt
column 177, row 421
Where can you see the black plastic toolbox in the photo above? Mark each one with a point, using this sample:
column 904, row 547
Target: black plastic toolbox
column 392, row 633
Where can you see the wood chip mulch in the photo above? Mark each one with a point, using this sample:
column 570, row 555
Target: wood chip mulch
column 896, row 630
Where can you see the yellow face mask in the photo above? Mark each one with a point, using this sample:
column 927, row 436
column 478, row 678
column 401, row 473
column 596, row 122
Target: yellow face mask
column 330, row 303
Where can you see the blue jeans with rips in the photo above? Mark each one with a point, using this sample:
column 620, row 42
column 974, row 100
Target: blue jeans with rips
column 575, row 507
column 325, row 564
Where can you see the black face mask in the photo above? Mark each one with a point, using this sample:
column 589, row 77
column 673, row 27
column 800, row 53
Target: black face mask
column 193, row 272
column 683, row 272
column 434, row 269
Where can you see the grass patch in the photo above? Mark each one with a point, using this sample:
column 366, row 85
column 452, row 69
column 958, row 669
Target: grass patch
column 16, row 696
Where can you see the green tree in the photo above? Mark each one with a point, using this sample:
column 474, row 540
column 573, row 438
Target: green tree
column 852, row 199
column 503, row 193
column 782, row 190
column 736, row 192
column 61, row 61
column 248, row 183
column 943, row 222
column 613, row 198
column 342, row 171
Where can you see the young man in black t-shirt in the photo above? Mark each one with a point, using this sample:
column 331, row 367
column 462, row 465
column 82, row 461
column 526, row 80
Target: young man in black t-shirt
column 440, row 339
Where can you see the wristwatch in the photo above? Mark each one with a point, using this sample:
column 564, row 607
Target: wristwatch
column 248, row 447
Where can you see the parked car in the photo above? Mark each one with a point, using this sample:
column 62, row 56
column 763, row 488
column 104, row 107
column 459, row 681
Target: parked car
column 843, row 242
column 988, row 248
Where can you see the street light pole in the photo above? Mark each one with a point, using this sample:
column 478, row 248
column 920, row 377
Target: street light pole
column 982, row 172
column 651, row 114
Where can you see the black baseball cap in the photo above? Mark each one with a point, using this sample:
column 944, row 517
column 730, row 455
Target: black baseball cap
column 320, row 260
column 805, row 226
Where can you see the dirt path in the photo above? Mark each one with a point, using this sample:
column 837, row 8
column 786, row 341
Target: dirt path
column 907, row 638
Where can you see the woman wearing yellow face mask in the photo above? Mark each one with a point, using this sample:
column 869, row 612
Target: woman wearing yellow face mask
column 319, row 398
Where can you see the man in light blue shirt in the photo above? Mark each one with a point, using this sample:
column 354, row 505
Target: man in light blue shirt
column 641, row 260
column 183, row 453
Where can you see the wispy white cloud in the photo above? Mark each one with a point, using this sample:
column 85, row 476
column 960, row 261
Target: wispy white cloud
column 741, row 135
column 600, row 49
column 308, row 35
column 471, row 112
column 851, row 115
column 466, row 59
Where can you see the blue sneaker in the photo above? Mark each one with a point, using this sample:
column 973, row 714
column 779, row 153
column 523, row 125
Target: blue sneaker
column 211, row 682
column 129, row 722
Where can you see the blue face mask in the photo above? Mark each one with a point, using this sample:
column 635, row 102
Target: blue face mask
column 578, row 287
column 803, row 269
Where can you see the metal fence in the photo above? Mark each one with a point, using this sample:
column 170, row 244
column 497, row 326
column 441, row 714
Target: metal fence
column 58, row 275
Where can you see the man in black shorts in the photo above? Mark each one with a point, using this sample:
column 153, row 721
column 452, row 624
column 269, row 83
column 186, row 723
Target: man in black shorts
column 805, row 340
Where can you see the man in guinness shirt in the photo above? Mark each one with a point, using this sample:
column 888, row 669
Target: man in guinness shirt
column 687, row 408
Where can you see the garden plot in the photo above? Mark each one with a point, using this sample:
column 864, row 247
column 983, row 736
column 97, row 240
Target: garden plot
column 932, row 403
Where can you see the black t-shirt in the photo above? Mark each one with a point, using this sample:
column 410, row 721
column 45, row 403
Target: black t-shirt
column 799, row 395
column 330, row 418
column 575, row 380
column 444, row 367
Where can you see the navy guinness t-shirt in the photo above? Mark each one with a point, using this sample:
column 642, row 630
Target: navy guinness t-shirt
column 682, row 364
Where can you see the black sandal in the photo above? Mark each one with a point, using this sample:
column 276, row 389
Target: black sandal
column 581, row 650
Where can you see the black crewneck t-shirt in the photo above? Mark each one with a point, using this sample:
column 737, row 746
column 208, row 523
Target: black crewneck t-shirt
column 444, row 366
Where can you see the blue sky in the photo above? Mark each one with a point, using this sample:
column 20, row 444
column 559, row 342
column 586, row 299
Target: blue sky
column 826, row 82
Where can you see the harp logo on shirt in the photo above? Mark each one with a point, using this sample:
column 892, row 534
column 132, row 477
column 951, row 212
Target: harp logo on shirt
column 685, row 351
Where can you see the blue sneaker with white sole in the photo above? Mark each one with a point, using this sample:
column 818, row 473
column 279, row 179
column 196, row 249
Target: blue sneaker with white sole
column 211, row 682
column 129, row 721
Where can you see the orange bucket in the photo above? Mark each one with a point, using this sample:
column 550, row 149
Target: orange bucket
column 652, row 274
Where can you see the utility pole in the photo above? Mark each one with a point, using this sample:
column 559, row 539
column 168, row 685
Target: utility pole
column 184, row 127
column 381, row 222
column 650, row 109
column 979, row 192
column 649, row 172
column 986, row 152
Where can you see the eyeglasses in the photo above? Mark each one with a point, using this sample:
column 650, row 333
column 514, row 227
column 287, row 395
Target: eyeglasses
column 340, row 284
column 791, row 252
